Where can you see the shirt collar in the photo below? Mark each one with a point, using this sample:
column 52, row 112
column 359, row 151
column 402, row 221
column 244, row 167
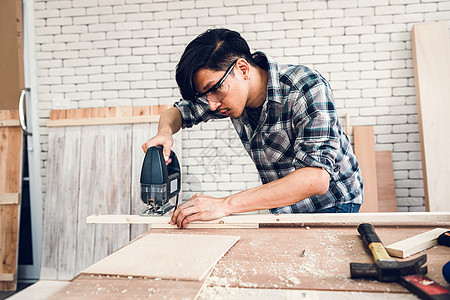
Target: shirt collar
column 274, row 92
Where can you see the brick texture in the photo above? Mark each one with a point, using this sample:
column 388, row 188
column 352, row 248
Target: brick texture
column 118, row 53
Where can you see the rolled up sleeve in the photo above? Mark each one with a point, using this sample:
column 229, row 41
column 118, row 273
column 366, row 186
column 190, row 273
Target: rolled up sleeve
column 317, row 140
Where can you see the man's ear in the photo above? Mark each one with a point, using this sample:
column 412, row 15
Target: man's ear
column 244, row 68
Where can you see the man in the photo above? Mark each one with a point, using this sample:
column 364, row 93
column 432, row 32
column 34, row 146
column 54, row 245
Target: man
column 285, row 118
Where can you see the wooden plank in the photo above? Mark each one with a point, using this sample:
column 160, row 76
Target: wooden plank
column 91, row 178
column 431, row 59
column 9, row 198
column 67, row 178
column 51, row 220
column 166, row 256
column 387, row 219
column 364, row 145
column 387, row 198
column 415, row 244
column 102, row 121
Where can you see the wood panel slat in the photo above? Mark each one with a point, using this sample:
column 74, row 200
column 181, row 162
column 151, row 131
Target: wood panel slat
column 431, row 60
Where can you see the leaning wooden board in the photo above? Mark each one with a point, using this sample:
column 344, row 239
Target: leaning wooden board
column 11, row 139
column 431, row 59
column 301, row 258
column 93, row 167
column 364, row 144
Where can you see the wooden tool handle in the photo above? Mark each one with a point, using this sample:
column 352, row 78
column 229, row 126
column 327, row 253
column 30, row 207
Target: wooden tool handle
column 373, row 242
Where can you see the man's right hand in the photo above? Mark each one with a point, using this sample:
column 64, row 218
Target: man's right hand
column 165, row 140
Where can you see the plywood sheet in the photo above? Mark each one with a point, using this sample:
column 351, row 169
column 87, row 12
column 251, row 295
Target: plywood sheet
column 364, row 145
column 166, row 256
column 387, row 198
column 431, row 59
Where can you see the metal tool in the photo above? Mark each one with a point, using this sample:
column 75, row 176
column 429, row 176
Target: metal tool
column 410, row 273
column 160, row 183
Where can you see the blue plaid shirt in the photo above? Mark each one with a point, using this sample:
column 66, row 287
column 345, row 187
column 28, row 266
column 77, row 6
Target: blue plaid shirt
column 298, row 128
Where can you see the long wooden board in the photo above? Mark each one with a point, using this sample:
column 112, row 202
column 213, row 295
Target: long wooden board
column 11, row 140
column 258, row 220
column 415, row 244
column 166, row 256
column 364, row 144
column 431, row 59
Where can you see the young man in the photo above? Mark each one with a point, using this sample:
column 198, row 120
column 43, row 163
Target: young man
column 286, row 119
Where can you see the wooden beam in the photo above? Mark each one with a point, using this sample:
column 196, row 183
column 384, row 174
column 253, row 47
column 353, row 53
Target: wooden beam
column 102, row 121
column 415, row 244
column 387, row 219
column 431, row 60
column 9, row 198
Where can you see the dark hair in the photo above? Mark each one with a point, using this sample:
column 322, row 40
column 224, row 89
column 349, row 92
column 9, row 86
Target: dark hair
column 215, row 49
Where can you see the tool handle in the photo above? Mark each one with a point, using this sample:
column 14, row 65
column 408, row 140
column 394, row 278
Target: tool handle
column 368, row 234
column 373, row 241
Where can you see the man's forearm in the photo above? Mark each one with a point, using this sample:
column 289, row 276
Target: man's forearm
column 170, row 121
column 298, row 185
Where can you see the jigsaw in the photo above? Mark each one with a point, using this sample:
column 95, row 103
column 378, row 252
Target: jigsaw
column 160, row 183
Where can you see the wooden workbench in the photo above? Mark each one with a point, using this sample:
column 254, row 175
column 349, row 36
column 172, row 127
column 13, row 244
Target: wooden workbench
column 274, row 258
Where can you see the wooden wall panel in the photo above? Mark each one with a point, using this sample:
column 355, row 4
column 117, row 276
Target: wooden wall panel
column 11, row 143
column 431, row 59
column 91, row 169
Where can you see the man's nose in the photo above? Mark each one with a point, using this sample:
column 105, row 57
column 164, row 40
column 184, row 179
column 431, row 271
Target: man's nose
column 213, row 105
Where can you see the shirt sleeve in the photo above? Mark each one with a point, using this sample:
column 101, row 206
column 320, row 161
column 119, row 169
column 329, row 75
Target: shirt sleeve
column 317, row 142
column 194, row 113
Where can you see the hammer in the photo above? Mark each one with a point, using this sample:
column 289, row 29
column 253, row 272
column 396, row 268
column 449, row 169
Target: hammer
column 409, row 273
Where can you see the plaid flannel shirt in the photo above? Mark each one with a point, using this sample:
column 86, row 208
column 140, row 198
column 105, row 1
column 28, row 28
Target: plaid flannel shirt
column 298, row 128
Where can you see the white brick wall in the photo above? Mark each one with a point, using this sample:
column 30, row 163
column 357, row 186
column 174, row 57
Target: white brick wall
column 123, row 52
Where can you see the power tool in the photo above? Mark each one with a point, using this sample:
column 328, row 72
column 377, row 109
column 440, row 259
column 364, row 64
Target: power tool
column 160, row 183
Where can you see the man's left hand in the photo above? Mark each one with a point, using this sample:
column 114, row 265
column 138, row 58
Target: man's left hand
column 199, row 208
